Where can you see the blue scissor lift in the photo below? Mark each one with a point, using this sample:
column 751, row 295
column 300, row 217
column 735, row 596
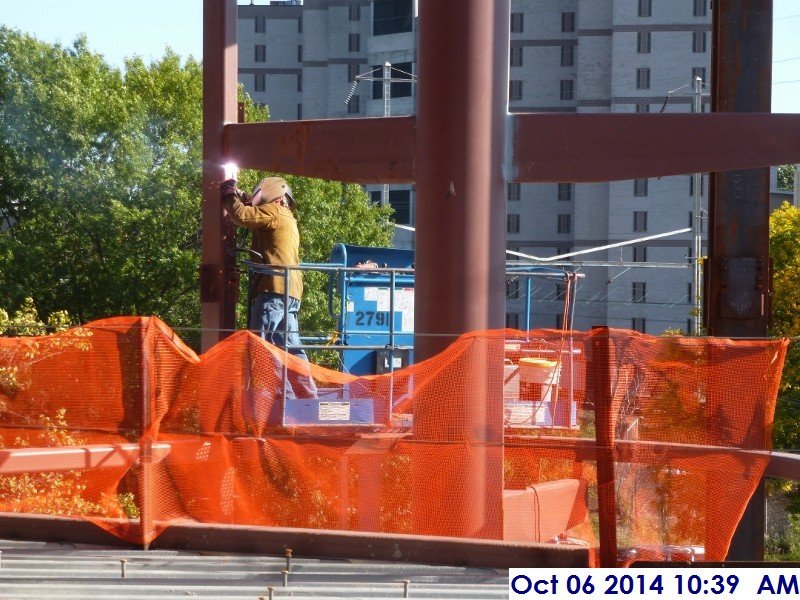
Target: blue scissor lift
column 371, row 298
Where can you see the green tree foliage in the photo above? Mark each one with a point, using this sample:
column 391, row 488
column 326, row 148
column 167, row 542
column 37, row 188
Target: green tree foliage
column 100, row 181
column 100, row 186
column 784, row 245
column 786, row 177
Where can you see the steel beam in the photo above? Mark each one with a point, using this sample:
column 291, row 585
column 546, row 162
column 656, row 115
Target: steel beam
column 218, row 278
column 460, row 254
column 356, row 150
column 738, row 282
column 75, row 458
column 608, row 147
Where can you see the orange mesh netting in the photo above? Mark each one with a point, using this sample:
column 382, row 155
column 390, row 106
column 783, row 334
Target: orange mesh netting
column 649, row 446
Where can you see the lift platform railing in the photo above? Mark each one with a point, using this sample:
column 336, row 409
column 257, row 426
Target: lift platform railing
column 372, row 306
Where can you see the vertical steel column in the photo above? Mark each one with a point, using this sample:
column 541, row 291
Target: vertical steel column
column 738, row 271
column 601, row 360
column 218, row 279
column 460, row 247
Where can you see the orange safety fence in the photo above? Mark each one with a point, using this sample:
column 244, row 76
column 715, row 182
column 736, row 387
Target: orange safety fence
column 645, row 447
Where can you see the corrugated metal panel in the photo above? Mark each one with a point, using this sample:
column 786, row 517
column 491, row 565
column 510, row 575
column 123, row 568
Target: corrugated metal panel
column 65, row 571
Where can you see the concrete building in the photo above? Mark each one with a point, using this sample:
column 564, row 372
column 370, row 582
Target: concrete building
column 598, row 56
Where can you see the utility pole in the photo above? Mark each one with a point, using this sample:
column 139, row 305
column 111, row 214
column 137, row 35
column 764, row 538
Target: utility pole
column 387, row 112
column 697, row 286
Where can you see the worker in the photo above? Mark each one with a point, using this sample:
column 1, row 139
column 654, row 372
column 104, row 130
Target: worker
column 269, row 214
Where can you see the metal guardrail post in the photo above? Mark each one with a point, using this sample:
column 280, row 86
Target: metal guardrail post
column 145, row 483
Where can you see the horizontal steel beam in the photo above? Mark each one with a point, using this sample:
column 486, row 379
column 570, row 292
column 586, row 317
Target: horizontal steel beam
column 307, row 543
column 546, row 147
column 780, row 465
column 366, row 150
column 75, row 458
column 610, row 147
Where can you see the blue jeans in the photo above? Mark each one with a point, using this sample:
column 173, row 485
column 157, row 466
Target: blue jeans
column 279, row 326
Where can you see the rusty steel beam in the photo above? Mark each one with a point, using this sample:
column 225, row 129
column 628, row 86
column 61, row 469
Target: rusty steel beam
column 608, row 147
column 599, row 376
column 780, row 465
column 460, row 255
column 355, row 150
column 218, row 279
column 75, row 458
column 737, row 273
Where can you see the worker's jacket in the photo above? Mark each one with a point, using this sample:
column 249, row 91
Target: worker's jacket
column 275, row 237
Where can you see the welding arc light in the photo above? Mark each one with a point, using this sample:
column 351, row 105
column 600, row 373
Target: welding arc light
column 231, row 170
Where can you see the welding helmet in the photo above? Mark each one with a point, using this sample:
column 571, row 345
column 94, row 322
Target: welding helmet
column 272, row 188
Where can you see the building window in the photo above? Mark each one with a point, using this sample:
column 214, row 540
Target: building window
column 354, row 106
column 642, row 108
column 640, row 254
column 567, row 89
column 561, row 291
column 300, row 23
column 352, row 71
column 645, row 8
column 639, row 324
column 260, row 84
column 517, row 22
column 300, row 53
column 512, row 289
column 392, row 16
column 261, row 53
column 699, row 72
column 561, row 250
column 512, row 223
column 567, row 22
column 643, row 39
column 516, row 56
column 514, row 192
column 565, row 192
column 400, row 201
column 299, row 111
column 640, row 188
column 643, row 78
column 699, row 41
column 300, row 82
column 567, row 56
column 512, row 320
column 564, row 223
column 261, row 24
column 355, row 12
column 640, row 220
column 515, row 89
column 689, row 295
column 638, row 291
column 399, row 89
column 700, row 8
column 375, row 197
column 354, row 42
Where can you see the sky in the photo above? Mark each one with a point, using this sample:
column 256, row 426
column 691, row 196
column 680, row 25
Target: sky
column 122, row 28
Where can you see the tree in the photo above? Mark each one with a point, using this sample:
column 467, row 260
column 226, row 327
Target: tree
column 784, row 246
column 100, row 186
column 786, row 177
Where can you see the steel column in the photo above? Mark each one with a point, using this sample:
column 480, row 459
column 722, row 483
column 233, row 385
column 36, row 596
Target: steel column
column 218, row 279
column 738, row 272
column 601, row 360
column 460, row 248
